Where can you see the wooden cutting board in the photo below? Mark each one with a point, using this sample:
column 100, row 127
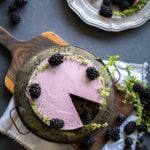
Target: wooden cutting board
column 22, row 51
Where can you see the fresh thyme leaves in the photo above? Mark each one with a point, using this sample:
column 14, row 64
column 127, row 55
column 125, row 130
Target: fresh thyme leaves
column 132, row 10
column 105, row 91
column 132, row 96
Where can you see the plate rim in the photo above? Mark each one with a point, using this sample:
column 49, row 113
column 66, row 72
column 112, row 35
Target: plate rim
column 135, row 24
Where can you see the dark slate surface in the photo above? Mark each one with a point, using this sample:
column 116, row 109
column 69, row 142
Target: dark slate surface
column 54, row 15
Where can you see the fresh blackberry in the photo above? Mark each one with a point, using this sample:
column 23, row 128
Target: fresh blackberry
column 128, row 141
column 139, row 88
column 147, row 93
column 56, row 123
column 140, row 139
column 113, row 133
column 85, row 118
column 116, row 2
column 56, row 59
column 141, row 127
column 92, row 73
column 124, row 5
column 141, row 147
column 12, row 8
column 107, row 2
column 127, row 148
column 121, row 118
column 35, row 90
column 21, row 2
column 131, row 2
column 130, row 127
column 15, row 18
column 87, row 143
column 146, row 103
column 106, row 11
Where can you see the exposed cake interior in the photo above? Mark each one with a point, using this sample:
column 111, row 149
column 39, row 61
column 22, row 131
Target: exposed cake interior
column 57, row 83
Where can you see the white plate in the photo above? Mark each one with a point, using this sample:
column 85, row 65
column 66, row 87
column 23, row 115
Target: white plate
column 87, row 10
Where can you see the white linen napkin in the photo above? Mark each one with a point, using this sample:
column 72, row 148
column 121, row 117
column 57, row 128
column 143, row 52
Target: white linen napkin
column 32, row 142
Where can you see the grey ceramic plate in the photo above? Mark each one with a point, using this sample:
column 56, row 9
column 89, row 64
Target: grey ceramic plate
column 87, row 10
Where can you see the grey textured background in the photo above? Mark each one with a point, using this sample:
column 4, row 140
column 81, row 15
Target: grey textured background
column 54, row 15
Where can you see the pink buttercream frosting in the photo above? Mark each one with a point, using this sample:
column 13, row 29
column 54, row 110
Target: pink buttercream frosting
column 56, row 85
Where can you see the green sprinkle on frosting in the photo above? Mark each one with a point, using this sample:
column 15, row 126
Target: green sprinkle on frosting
column 132, row 10
column 45, row 119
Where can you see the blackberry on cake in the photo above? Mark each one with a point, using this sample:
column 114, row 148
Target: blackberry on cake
column 128, row 141
column 35, row 90
column 113, row 133
column 56, row 123
column 87, row 143
column 106, row 11
column 56, row 59
column 92, row 73
column 130, row 127
column 15, row 18
column 124, row 5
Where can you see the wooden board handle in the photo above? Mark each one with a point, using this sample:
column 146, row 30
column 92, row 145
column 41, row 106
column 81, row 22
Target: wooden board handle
column 7, row 40
column 22, row 51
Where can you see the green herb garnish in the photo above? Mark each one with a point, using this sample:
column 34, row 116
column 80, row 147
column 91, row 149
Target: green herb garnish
column 132, row 10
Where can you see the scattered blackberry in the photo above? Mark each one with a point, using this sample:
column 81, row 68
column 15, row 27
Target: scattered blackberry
column 113, row 133
column 56, row 59
column 106, row 11
column 141, row 127
column 87, row 143
column 130, row 127
column 85, row 118
column 141, row 147
column 56, row 123
column 124, row 5
column 131, row 2
column 140, row 139
column 107, row 2
column 15, row 18
column 121, row 118
column 127, row 148
column 12, row 8
column 147, row 93
column 21, row 2
column 116, row 2
column 128, row 141
column 92, row 73
column 146, row 103
column 139, row 88
column 35, row 90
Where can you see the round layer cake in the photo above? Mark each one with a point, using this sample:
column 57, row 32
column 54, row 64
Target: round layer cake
column 57, row 82
column 59, row 95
